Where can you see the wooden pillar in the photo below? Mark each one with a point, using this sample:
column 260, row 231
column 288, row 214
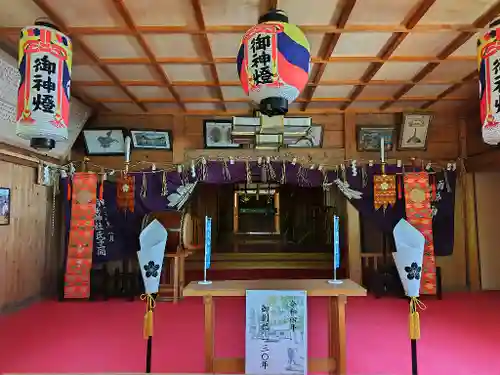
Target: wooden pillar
column 467, row 184
column 354, row 243
column 353, row 222
column 236, row 213
column 470, row 228
column 277, row 227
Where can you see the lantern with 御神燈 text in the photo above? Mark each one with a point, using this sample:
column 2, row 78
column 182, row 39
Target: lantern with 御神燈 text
column 273, row 63
column 44, row 90
column 488, row 53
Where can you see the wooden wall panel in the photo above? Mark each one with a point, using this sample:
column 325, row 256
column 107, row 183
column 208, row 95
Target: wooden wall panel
column 187, row 134
column 487, row 207
column 442, row 140
column 27, row 259
column 339, row 143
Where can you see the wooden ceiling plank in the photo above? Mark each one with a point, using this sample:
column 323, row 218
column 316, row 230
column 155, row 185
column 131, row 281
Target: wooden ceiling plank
column 42, row 4
column 301, row 100
column 313, row 29
column 452, row 89
column 308, row 112
column 198, row 14
column 316, row 60
column 394, row 41
column 328, row 46
column 237, row 83
column 127, row 17
column 454, row 45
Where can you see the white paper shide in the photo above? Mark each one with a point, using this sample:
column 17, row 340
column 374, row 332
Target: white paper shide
column 276, row 332
column 409, row 256
column 152, row 240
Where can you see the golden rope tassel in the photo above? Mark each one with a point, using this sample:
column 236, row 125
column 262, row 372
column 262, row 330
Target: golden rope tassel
column 148, row 317
column 414, row 318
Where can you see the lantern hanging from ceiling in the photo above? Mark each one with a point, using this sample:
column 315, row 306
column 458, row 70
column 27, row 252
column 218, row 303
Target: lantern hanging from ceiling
column 45, row 56
column 488, row 53
column 273, row 63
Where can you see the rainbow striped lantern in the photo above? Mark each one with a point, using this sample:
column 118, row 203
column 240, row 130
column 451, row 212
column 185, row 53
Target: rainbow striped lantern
column 274, row 63
column 44, row 90
column 488, row 53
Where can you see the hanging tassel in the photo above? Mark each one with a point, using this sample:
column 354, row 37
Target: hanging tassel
column 344, row 175
column 400, row 187
column 148, row 317
column 433, row 188
column 283, row 173
column 248, row 172
column 204, row 169
column 414, row 318
column 364, row 176
column 270, row 169
column 164, row 188
column 144, row 186
column 225, row 171
column 69, row 188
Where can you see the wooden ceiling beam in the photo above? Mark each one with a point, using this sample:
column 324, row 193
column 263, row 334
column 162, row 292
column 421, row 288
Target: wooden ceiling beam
column 237, row 83
column 459, row 41
column 328, row 46
column 450, row 90
column 198, row 15
column 308, row 112
column 392, row 44
column 42, row 4
column 127, row 17
column 236, row 29
column 316, row 60
column 246, row 100
column 264, row 7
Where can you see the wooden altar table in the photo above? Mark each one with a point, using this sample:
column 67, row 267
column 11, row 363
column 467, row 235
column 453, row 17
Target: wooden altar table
column 337, row 298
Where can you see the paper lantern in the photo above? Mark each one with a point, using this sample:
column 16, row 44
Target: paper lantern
column 273, row 63
column 44, row 90
column 488, row 53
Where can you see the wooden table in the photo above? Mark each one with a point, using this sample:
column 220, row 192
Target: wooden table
column 337, row 298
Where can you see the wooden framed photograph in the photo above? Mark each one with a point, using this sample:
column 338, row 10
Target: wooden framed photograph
column 4, row 206
column 413, row 131
column 104, row 142
column 313, row 138
column 151, row 139
column 369, row 138
column 217, row 134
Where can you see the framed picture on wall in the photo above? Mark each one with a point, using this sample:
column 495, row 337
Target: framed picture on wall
column 151, row 139
column 413, row 131
column 313, row 138
column 368, row 138
column 217, row 134
column 4, row 206
column 104, row 142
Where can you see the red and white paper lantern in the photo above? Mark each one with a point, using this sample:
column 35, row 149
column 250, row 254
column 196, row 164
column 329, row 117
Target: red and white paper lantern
column 488, row 53
column 45, row 56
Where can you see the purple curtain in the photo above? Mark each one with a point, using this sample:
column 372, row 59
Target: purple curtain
column 117, row 234
column 444, row 207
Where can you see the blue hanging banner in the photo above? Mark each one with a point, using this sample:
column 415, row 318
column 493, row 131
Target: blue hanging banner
column 208, row 241
column 336, row 242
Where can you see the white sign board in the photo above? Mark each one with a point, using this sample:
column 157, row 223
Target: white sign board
column 276, row 332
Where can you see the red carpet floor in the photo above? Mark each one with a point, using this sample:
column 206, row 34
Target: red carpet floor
column 459, row 336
